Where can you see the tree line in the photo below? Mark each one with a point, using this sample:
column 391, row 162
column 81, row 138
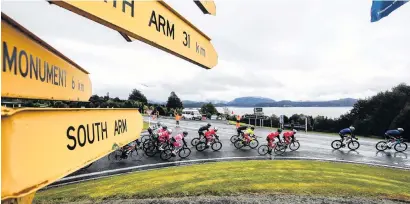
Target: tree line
column 136, row 99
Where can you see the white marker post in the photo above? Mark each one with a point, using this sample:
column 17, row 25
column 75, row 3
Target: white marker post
column 149, row 117
column 306, row 124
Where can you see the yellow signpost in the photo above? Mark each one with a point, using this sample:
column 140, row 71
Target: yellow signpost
column 153, row 22
column 40, row 146
column 207, row 7
column 33, row 69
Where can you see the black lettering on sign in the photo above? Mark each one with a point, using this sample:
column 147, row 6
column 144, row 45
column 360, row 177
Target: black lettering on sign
column 10, row 61
column 23, row 68
column 34, row 67
column 84, row 135
column 120, row 126
column 81, row 129
column 104, row 130
column 21, row 63
column 187, row 40
column 200, row 50
column 168, row 28
column 69, row 136
column 124, row 3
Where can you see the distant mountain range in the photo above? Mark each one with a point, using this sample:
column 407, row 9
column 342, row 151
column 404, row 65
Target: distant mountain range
column 267, row 102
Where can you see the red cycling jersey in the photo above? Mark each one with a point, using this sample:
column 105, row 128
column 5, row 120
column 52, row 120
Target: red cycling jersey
column 272, row 135
column 163, row 136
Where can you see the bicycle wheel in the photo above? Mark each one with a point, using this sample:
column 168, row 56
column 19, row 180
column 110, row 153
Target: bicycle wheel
column 400, row 147
column 144, row 138
column 166, row 154
column 381, row 146
column 254, row 144
column 216, row 146
column 194, row 141
column 294, row 145
column 337, row 144
column 200, row 146
column 353, row 145
column 280, row 149
column 115, row 155
column 263, row 150
column 151, row 150
column 234, row 138
column 184, row 152
column 239, row 144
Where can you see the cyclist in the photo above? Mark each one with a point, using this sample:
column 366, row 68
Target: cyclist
column 271, row 137
column 287, row 136
column 240, row 129
column 394, row 134
column 209, row 134
column 202, row 129
column 347, row 131
column 248, row 133
column 163, row 138
column 178, row 141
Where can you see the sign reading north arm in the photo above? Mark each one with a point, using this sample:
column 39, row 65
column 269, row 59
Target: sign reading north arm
column 53, row 143
column 31, row 70
column 153, row 22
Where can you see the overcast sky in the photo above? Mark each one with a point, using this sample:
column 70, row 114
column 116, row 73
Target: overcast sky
column 294, row 50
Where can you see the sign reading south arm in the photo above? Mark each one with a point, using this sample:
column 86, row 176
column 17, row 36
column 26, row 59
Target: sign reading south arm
column 30, row 70
column 153, row 22
column 53, row 143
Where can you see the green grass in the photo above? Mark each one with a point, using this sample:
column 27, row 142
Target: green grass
column 145, row 126
column 242, row 177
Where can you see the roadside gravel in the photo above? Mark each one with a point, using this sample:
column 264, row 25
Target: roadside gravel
column 245, row 199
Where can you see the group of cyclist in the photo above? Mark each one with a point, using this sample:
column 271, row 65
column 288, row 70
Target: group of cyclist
column 390, row 135
column 163, row 135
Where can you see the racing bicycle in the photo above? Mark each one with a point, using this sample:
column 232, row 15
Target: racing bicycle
column 183, row 152
column 253, row 143
column 398, row 144
column 351, row 142
column 215, row 144
column 124, row 152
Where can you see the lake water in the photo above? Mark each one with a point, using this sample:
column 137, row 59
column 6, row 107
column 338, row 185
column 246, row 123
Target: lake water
column 331, row 112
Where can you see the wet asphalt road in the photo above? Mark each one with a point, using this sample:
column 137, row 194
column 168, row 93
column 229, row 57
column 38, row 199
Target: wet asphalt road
column 311, row 145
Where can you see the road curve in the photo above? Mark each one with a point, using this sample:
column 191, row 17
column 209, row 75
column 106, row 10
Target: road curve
column 315, row 146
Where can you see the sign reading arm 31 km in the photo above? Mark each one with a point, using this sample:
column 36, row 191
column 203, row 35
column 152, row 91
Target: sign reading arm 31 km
column 153, row 22
column 57, row 142
column 33, row 69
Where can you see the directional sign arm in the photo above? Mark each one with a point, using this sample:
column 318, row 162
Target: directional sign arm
column 153, row 22
column 40, row 71
column 207, row 7
column 53, row 143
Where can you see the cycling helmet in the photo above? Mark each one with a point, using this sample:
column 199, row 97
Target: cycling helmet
column 164, row 127
column 169, row 131
column 252, row 128
column 279, row 130
column 295, row 131
column 158, row 124
column 400, row 129
column 185, row 133
column 216, row 129
column 209, row 125
column 352, row 128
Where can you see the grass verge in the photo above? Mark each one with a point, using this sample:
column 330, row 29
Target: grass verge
column 145, row 126
column 242, row 177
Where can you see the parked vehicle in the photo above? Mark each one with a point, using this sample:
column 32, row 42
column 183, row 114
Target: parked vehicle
column 191, row 114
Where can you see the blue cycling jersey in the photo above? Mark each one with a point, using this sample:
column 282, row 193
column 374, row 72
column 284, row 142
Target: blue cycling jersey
column 393, row 133
column 345, row 131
